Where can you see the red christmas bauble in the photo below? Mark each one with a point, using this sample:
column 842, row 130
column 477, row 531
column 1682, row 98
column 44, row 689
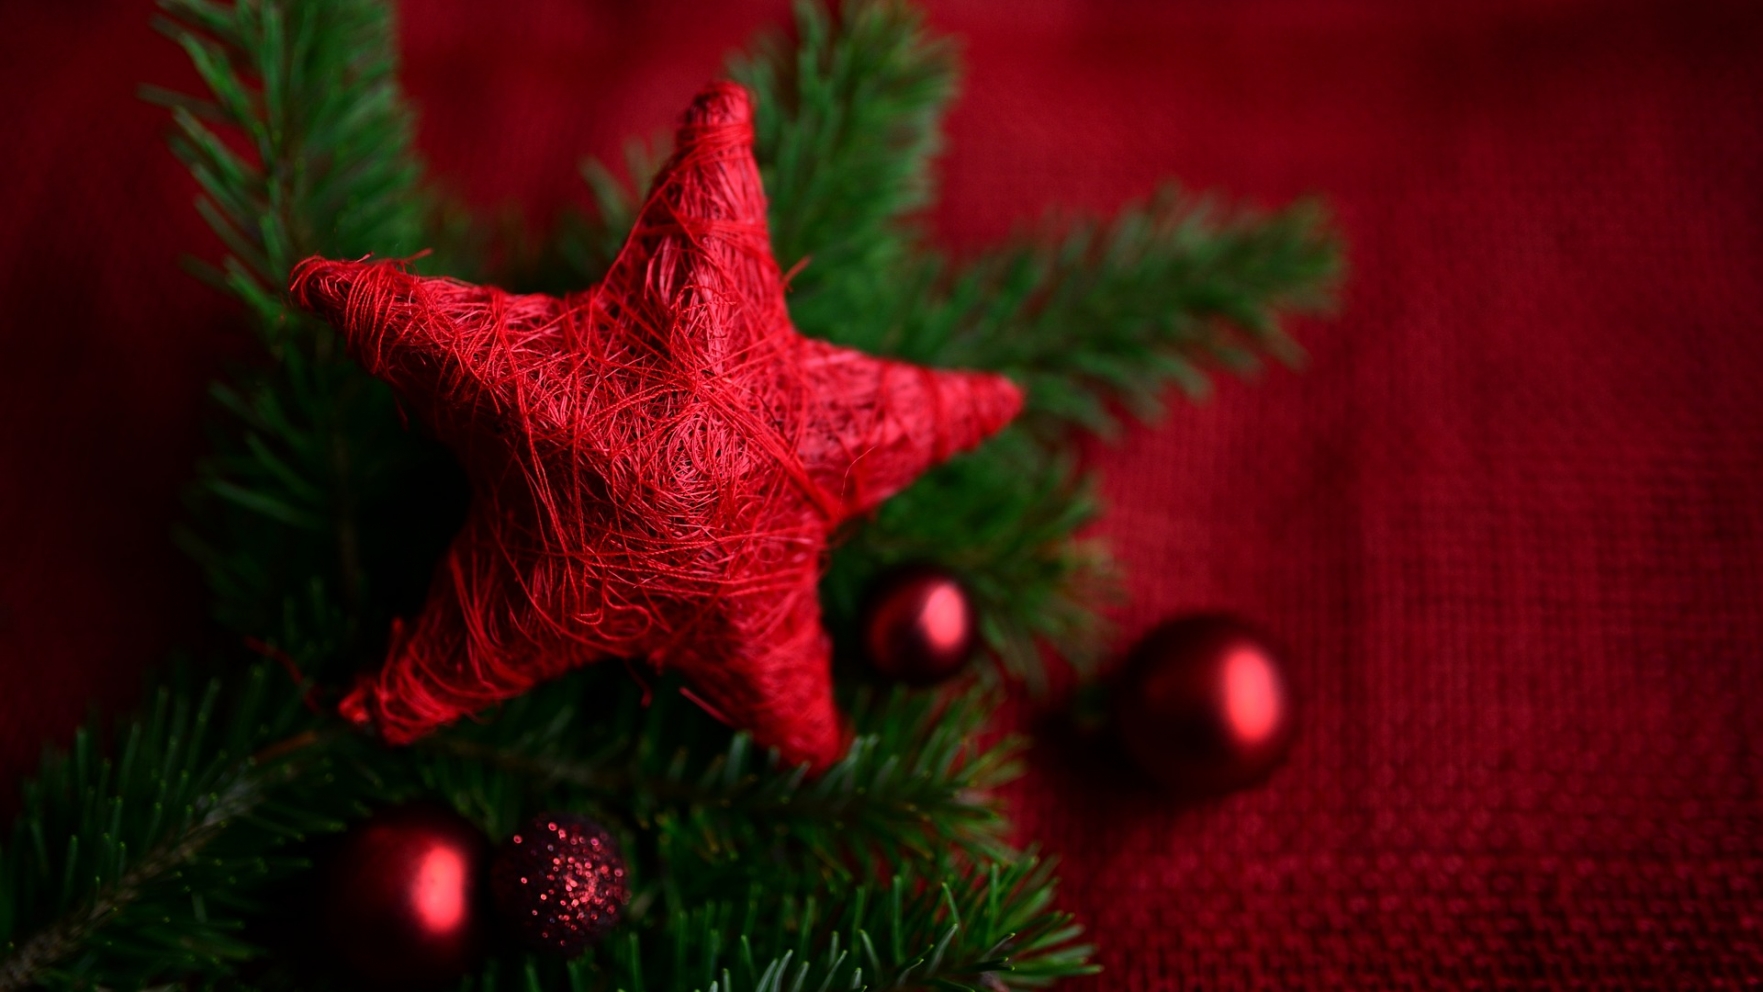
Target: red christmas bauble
column 919, row 625
column 560, row 883
column 401, row 899
column 1204, row 705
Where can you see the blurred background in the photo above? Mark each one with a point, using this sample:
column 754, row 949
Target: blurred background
column 1508, row 520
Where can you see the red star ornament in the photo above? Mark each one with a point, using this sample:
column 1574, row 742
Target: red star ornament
column 657, row 462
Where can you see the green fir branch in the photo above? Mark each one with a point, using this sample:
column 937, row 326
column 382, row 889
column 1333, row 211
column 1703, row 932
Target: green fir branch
column 311, row 90
column 913, row 786
column 1111, row 315
column 983, row 927
column 302, row 145
column 125, row 870
column 849, row 114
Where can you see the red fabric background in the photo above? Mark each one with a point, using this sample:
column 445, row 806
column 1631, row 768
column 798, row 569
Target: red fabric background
column 1508, row 519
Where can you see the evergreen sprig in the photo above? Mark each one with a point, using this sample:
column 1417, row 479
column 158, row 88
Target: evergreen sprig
column 141, row 864
column 1110, row 315
column 144, row 863
column 849, row 117
column 975, row 928
column 914, row 785
column 303, row 145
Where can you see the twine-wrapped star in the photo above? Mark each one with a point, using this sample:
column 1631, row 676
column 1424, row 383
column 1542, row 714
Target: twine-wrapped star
column 656, row 462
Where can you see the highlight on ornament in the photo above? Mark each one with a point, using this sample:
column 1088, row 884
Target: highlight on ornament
column 1205, row 706
column 400, row 898
column 919, row 624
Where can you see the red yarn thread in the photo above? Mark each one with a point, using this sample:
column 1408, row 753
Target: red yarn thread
column 656, row 462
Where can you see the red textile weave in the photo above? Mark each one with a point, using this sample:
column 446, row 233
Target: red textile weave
column 657, row 461
column 1508, row 519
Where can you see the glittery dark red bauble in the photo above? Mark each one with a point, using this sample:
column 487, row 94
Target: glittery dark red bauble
column 400, row 899
column 1204, row 705
column 919, row 625
column 560, row 882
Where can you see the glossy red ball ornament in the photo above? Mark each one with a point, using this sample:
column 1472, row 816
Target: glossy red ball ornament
column 1204, row 705
column 560, row 883
column 400, row 899
column 919, row 625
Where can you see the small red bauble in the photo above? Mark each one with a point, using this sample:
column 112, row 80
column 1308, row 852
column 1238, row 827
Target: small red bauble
column 1204, row 705
column 919, row 625
column 560, row 883
column 400, row 899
